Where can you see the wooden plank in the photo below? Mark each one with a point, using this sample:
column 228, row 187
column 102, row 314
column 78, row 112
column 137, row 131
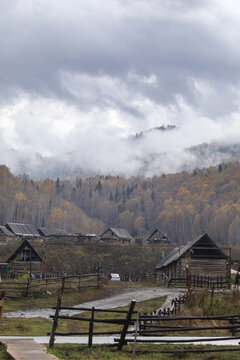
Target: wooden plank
column 164, row 318
column 189, row 351
column 173, row 341
column 94, row 333
column 96, row 310
column 55, row 321
column 101, row 321
column 161, row 329
column 90, row 335
column 126, row 324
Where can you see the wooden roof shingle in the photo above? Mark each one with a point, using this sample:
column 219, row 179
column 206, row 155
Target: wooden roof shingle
column 22, row 229
column 52, row 232
column 119, row 232
column 4, row 230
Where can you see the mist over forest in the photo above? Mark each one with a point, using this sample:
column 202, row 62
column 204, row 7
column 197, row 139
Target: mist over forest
column 156, row 151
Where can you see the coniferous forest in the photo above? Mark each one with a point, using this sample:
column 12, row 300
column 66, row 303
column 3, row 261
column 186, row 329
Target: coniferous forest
column 181, row 205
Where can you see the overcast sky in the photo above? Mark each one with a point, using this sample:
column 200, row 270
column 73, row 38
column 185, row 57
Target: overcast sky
column 80, row 72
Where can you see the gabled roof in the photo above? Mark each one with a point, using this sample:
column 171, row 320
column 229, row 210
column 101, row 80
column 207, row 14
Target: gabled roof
column 52, row 232
column 24, row 243
column 119, row 232
column 22, row 229
column 159, row 234
column 179, row 251
column 4, row 230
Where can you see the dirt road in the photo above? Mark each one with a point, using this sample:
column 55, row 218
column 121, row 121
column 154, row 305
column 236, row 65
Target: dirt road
column 122, row 299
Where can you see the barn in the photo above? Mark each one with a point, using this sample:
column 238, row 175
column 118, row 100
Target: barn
column 116, row 235
column 201, row 256
column 25, row 259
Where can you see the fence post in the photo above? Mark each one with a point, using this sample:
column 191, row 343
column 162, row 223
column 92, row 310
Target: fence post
column 27, row 287
column 90, row 335
column 135, row 336
column 2, row 298
column 126, row 324
column 212, row 294
column 98, row 278
column 55, row 320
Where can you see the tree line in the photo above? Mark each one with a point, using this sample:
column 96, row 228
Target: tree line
column 181, row 205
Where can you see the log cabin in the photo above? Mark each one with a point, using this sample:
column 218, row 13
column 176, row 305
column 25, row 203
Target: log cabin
column 51, row 232
column 116, row 236
column 157, row 237
column 201, row 256
column 25, row 259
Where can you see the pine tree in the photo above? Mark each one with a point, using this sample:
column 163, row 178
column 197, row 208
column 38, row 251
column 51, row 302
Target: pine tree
column 99, row 187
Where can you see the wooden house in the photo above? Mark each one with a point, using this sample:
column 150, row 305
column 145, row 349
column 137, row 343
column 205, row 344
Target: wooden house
column 157, row 237
column 25, row 259
column 51, row 232
column 5, row 234
column 116, row 235
column 88, row 238
column 200, row 256
column 22, row 230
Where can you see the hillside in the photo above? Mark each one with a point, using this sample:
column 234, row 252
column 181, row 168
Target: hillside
column 40, row 203
column 182, row 205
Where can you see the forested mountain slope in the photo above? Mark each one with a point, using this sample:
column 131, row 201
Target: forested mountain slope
column 182, row 205
column 39, row 203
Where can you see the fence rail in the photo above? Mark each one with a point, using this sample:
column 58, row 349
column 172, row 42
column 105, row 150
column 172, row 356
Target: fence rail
column 200, row 281
column 32, row 286
column 124, row 322
column 158, row 326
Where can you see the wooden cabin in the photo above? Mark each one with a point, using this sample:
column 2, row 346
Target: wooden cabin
column 88, row 238
column 22, row 230
column 200, row 256
column 157, row 237
column 25, row 259
column 116, row 235
column 5, row 234
column 51, row 232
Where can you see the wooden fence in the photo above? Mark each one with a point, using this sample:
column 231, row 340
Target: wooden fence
column 151, row 328
column 124, row 322
column 35, row 286
column 175, row 307
column 200, row 281
column 158, row 326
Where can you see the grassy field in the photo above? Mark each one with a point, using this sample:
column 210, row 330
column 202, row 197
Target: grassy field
column 40, row 326
column 72, row 297
column 76, row 352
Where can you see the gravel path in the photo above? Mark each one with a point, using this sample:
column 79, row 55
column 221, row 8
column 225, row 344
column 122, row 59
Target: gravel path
column 122, row 299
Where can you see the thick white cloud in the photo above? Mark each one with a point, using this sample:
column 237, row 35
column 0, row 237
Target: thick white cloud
column 74, row 73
